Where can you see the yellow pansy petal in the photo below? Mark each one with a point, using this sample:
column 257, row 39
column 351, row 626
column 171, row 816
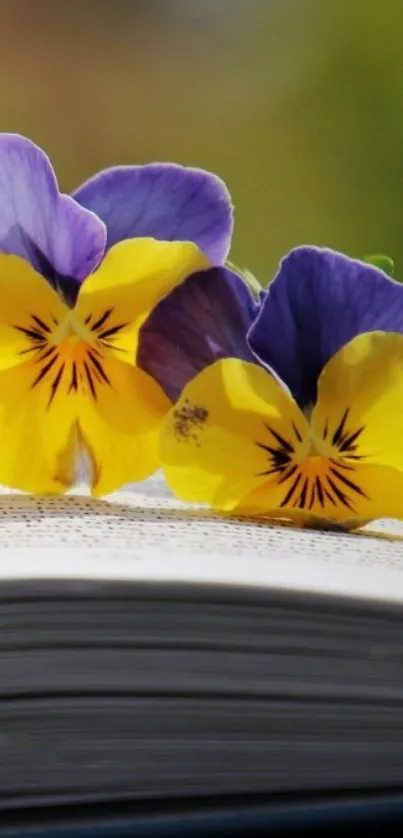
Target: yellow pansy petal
column 359, row 413
column 119, row 427
column 233, row 427
column 380, row 496
column 133, row 277
column 38, row 440
column 28, row 308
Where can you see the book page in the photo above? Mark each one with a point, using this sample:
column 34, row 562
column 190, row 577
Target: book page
column 144, row 533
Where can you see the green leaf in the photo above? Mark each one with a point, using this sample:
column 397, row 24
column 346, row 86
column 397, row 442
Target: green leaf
column 247, row 275
column 384, row 263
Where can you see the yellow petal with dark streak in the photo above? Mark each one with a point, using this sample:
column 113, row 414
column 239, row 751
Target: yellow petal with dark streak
column 134, row 275
column 363, row 382
column 38, row 442
column 380, row 496
column 231, row 431
column 26, row 301
column 120, row 427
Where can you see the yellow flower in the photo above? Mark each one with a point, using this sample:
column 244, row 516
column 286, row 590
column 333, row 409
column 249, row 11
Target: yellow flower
column 68, row 383
column 237, row 440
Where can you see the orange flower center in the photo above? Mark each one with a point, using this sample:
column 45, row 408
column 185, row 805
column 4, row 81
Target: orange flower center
column 71, row 354
column 316, row 473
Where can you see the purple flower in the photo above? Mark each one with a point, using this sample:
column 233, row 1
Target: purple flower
column 314, row 438
column 65, row 237
column 318, row 302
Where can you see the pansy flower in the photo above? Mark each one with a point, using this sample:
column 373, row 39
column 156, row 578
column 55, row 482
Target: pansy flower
column 78, row 275
column 312, row 429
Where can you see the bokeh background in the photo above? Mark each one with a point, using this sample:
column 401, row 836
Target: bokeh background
column 297, row 104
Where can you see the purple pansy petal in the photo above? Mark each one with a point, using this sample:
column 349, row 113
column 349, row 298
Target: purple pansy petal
column 37, row 222
column 164, row 201
column 319, row 301
column 204, row 319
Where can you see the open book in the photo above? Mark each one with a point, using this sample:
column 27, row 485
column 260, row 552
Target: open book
column 154, row 650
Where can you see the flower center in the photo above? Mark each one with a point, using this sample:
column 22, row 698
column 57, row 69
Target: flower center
column 70, row 355
column 72, row 330
column 316, row 473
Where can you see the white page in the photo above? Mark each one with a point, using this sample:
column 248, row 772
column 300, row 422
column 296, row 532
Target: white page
column 146, row 534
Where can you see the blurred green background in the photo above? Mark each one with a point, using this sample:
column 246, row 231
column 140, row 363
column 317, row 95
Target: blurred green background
column 297, row 104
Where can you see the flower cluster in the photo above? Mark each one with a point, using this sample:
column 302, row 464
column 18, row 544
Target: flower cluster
column 127, row 339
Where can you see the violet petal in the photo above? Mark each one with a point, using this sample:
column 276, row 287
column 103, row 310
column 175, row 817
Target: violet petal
column 164, row 201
